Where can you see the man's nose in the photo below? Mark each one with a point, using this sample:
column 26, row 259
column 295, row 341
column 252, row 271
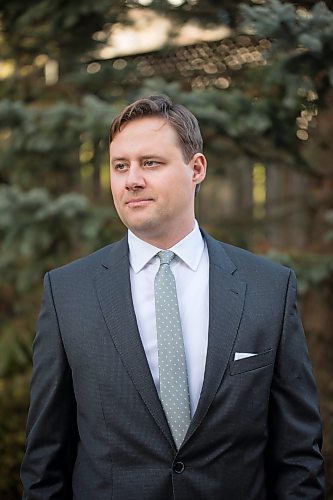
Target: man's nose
column 135, row 178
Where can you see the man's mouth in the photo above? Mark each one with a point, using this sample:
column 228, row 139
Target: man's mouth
column 138, row 202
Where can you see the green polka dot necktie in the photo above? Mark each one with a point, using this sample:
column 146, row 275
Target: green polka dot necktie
column 174, row 392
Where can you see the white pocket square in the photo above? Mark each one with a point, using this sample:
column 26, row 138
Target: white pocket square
column 242, row 355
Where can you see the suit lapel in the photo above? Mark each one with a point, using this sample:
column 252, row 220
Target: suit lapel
column 115, row 298
column 226, row 302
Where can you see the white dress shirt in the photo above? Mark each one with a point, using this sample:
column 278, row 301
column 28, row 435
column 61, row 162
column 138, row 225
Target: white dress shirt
column 191, row 271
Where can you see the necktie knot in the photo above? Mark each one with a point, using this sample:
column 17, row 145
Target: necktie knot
column 165, row 256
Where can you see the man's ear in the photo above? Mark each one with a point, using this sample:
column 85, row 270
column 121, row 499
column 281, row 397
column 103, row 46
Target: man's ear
column 199, row 167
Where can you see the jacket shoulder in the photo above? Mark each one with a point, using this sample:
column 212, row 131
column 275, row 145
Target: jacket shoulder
column 248, row 266
column 244, row 259
column 89, row 264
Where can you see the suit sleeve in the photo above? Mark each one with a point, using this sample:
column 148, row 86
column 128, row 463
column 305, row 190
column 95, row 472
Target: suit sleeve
column 295, row 463
column 46, row 470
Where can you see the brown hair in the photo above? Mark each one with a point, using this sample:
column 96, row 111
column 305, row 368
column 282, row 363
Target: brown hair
column 180, row 118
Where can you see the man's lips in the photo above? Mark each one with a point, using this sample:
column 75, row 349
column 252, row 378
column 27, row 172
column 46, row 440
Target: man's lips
column 138, row 202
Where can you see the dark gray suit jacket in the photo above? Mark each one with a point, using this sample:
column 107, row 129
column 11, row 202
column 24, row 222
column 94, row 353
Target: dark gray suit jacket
column 96, row 427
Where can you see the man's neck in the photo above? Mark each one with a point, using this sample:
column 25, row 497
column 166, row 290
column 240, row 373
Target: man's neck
column 166, row 241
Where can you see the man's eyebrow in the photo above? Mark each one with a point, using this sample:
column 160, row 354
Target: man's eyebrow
column 151, row 155
column 143, row 157
column 118, row 158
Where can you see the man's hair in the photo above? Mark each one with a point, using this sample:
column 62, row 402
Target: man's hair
column 180, row 118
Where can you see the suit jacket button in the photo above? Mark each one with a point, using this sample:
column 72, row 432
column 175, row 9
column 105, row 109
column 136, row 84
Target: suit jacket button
column 178, row 467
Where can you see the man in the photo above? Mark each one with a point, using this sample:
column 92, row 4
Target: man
column 169, row 365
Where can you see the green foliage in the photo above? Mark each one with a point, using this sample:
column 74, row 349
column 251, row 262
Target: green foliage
column 36, row 231
column 15, row 354
column 291, row 27
column 59, row 29
column 302, row 40
column 40, row 140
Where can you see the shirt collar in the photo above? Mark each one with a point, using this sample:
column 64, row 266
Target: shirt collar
column 189, row 250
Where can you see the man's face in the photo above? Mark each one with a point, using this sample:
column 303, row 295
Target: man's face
column 151, row 183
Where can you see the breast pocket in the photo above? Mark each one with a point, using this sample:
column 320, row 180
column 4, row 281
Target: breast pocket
column 252, row 363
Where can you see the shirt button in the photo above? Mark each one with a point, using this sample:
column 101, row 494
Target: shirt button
column 178, row 467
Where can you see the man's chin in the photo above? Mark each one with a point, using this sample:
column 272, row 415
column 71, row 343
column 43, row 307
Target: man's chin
column 147, row 229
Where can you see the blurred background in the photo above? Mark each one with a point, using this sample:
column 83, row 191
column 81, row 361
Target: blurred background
column 259, row 77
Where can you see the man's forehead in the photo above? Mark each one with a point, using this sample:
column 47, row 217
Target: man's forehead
column 143, row 128
column 151, row 121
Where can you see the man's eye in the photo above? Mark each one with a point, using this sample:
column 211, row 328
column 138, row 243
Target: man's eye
column 120, row 166
column 150, row 163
